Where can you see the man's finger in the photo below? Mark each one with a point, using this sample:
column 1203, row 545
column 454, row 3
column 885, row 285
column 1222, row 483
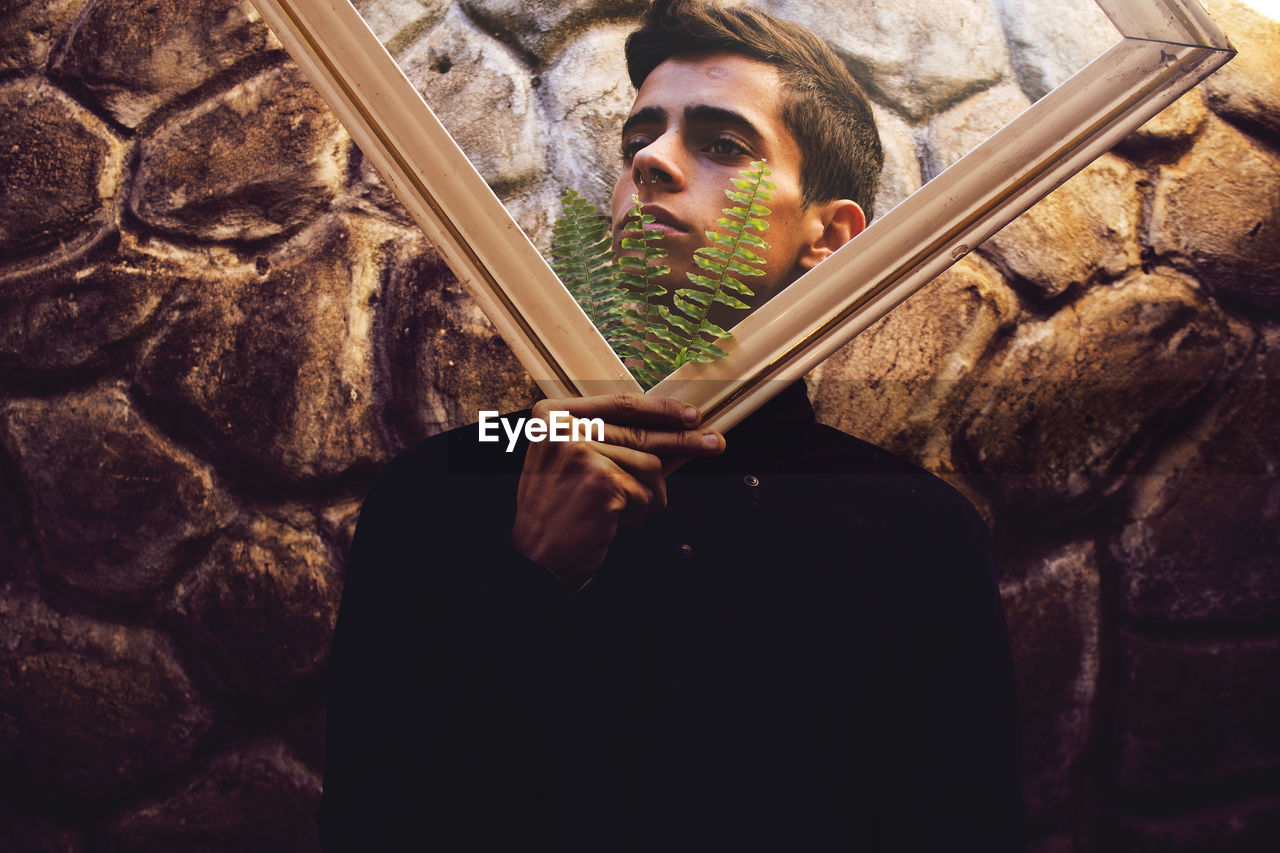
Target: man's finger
column 645, row 469
column 659, row 442
column 629, row 409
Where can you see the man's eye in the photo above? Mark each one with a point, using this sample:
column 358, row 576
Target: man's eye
column 725, row 146
column 632, row 146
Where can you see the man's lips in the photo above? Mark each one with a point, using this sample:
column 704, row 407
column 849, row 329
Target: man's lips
column 663, row 220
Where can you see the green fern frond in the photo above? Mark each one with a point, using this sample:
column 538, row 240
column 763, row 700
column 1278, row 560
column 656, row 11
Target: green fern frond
column 582, row 256
column 728, row 259
column 638, row 265
column 622, row 297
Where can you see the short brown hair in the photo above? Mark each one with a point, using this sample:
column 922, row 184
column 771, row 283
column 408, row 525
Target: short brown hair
column 825, row 109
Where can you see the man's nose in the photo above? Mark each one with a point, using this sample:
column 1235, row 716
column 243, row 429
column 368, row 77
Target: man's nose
column 658, row 165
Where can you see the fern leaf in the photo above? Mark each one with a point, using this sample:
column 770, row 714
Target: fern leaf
column 582, row 257
column 728, row 254
column 620, row 292
column 650, row 342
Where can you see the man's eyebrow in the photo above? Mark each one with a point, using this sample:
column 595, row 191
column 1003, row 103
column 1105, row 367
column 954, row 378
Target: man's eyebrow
column 698, row 114
column 707, row 114
column 645, row 115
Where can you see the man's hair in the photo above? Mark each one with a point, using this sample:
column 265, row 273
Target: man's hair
column 824, row 108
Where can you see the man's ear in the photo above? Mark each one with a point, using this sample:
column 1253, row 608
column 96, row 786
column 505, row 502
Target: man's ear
column 841, row 220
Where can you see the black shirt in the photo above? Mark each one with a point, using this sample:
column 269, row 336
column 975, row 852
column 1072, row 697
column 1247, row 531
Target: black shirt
column 804, row 651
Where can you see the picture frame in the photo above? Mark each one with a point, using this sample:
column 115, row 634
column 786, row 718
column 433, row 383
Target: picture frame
column 1165, row 48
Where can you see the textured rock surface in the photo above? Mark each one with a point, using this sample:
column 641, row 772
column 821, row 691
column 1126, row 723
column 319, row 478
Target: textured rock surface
column 901, row 175
column 89, row 707
column 398, row 22
column 274, row 364
column 483, row 96
column 211, row 173
column 28, row 827
column 1242, row 826
column 443, row 360
column 112, row 501
column 262, row 603
column 959, row 130
column 1084, row 230
column 34, row 25
column 256, row 798
column 1203, row 540
column 1062, row 412
column 589, row 96
column 65, row 316
column 893, row 387
column 216, row 322
column 1176, row 125
column 1050, row 42
column 906, row 52
column 539, row 28
column 162, row 49
column 1197, row 711
column 1248, row 88
column 1217, row 211
column 1054, row 615
column 59, row 165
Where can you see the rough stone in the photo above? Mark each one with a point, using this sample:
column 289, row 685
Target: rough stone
column 135, row 57
column 1055, row 631
column 901, row 175
column 261, row 159
column 59, row 165
column 262, row 603
column 112, row 500
column 1050, row 41
column 398, row 22
column 1171, row 129
column 339, row 522
column 89, row 708
column 1085, row 230
column 1196, row 712
column 588, row 96
column 19, row 563
column 444, row 360
column 892, row 384
column 305, row 731
column 1216, row 214
column 1202, row 541
column 539, row 28
column 536, row 207
column 483, row 96
column 30, row 829
column 900, row 53
column 254, row 799
column 64, row 317
column 1066, row 410
column 270, row 361
column 30, row 29
column 371, row 195
column 1250, row 825
column 954, row 133
column 1247, row 89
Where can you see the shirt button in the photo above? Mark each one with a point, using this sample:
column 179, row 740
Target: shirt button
column 685, row 551
column 751, row 480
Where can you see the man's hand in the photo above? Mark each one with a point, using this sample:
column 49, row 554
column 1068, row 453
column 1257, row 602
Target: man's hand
column 573, row 495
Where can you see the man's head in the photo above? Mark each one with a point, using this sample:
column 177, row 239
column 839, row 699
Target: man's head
column 824, row 108
column 720, row 87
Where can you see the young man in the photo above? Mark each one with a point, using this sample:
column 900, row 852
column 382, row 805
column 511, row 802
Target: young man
column 792, row 643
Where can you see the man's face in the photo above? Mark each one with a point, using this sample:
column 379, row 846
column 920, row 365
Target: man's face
column 698, row 120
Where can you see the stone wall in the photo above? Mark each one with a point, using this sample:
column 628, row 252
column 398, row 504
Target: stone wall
column 216, row 324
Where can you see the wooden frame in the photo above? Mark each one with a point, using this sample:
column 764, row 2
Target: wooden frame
column 1166, row 47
